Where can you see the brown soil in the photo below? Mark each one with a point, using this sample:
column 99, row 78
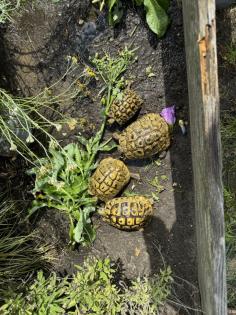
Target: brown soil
column 33, row 55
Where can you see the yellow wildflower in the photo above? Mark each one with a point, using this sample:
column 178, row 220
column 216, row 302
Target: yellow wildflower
column 72, row 123
column 90, row 72
column 81, row 85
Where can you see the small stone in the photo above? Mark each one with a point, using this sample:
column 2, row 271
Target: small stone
column 137, row 251
column 81, row 21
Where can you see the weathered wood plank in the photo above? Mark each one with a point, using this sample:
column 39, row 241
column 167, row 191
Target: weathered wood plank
column 200, row 46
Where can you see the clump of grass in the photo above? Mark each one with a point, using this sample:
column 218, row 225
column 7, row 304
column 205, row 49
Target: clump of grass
column 228, row 135
column 231, row 282
column 24, row 120
column 230, row 54
column 230, row 238
column 6, row 9
column 230, row 221
column 92, row 290
column 20, row 252
column 146, row 295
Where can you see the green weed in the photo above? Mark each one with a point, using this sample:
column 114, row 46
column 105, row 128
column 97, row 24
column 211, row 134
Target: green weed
column 230, row 54
column 9, row 7
column 24, row 121
column 230, row 238
column 92, row 290
column 231, row 282
column 110, row 70
column 62, row 183
column 145, row 296
column 155, row 182
column 128, row 193
column 228, row 135
column 6, row 9
column 230, row 221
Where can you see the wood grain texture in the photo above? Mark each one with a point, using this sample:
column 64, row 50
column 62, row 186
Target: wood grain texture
column 200, row 46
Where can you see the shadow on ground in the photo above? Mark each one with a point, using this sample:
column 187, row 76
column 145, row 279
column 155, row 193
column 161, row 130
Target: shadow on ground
column 178, row 245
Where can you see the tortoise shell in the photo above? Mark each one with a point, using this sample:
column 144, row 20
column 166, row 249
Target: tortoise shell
column 109, row 178
column 128, row 213
column 145, row 137
column 123, row 110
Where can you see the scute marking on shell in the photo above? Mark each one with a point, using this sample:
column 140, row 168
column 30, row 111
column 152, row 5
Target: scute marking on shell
column 145, row 137
column 109, row 178
column 128, row 213
column 123, row 110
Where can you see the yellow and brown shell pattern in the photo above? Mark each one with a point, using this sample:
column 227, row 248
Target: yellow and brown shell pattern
column 123, row 110
column 128, row 213
column 109, row 178
column 145, row 137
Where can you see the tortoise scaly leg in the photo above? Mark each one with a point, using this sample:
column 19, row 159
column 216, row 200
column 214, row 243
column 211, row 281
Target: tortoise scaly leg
column 162, row 155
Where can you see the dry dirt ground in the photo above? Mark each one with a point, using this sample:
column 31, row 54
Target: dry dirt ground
column 34, row 50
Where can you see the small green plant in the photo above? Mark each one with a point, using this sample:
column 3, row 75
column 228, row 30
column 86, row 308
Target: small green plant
column 62, row 183
column 231, row 282
column 155, row 182
column 20, row 252
column 6, row 8
column 230, row 221
column 110, row 70
column 156, row 16
column 145, row 296
column 92, row 290
column 230, row 54
column 230, row 238
column 228, row 135
column 128, row 193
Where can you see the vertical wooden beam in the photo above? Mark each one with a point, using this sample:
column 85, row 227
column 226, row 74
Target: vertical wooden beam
column 200, row 46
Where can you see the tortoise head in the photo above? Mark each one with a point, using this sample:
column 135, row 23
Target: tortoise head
column 116, row 136
column 101, row 211
column 110, row 121
column 168, row 113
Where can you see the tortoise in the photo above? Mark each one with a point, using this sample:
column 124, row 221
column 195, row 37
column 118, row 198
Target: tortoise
column 147, row 136
column 109, row 178
column 128, row 213
column 122, row 110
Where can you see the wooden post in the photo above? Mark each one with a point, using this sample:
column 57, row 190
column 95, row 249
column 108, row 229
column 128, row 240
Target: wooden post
column 200, row 46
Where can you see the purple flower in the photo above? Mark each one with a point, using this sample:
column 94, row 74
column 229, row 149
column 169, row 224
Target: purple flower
column 168, row 113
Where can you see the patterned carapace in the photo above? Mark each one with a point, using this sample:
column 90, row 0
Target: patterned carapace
column 145, row 137
column 109, row 178
column 123, row 110
column 127, row 213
